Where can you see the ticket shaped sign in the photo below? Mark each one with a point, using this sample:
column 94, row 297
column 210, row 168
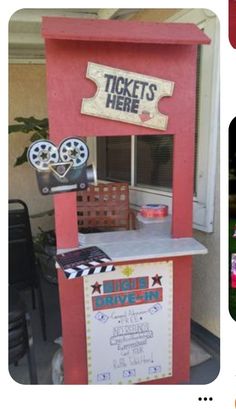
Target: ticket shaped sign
column 127, row 96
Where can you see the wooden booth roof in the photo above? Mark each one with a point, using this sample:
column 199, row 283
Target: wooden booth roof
column 60, row 28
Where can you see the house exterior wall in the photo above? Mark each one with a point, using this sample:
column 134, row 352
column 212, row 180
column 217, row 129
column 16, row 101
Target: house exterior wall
column 27, row 97
column 206, row 271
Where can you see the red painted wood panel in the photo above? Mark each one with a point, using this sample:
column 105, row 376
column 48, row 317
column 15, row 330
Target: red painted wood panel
column 67, row 85
column 74, row 333
column 65, row 207
column 232, row 22
column 122, row 31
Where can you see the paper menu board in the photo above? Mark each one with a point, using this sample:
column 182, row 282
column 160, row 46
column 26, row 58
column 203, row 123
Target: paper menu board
column 129, row 324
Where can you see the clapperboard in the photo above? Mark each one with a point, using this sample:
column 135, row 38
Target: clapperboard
column 84, row 261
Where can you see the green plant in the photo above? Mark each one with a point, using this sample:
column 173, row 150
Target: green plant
column 37, row 128
column 45, row 251
column 43, row 239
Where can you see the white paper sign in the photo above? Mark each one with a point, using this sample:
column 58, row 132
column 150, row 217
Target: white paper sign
column 127, row 96
column 129, row 324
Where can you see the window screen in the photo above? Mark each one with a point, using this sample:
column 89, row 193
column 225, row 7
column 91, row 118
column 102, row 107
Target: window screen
column 152, row 165
column 114, row 158
column 154, row 161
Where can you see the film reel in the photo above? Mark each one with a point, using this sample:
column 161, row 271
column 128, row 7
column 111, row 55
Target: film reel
column 75, row 150
column 42, row 153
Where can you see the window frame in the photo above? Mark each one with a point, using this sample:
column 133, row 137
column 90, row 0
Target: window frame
column 208, row 129
column 208, row 116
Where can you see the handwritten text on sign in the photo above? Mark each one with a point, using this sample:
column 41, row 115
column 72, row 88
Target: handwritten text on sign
column 129, row 324
column 127, row 96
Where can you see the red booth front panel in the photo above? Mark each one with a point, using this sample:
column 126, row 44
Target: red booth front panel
column 74, row 327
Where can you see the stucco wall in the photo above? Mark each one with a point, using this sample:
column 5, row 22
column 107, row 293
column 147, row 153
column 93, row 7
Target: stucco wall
column 206, row 272
column 27, row 97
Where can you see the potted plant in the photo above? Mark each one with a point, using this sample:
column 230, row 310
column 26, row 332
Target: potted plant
column 44, row 241
column 45, row 250
column 37, row 128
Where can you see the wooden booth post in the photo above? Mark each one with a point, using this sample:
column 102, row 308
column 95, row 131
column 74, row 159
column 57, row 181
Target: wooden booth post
column 110, row 78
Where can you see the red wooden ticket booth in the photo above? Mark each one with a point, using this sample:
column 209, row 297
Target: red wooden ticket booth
column 166, row 51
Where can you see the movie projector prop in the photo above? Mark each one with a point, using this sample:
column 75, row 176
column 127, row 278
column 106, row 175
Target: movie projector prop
column 62, row 169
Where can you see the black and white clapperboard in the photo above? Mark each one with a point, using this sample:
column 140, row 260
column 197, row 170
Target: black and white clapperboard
column 84, row 261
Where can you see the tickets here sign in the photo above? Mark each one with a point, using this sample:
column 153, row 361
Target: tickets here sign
column 127, row 96
column 129, row 324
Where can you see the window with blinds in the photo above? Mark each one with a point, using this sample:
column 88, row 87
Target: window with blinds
column 152, row 164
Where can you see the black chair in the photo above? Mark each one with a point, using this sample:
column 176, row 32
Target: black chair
column 23, row 269
column 20, row 340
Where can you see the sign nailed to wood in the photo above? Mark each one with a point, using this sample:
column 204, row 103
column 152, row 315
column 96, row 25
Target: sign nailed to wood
column 127, row 96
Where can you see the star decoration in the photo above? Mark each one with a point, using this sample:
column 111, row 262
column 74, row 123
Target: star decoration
column 127, row 271
column 156, row 280
column 96, row 287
